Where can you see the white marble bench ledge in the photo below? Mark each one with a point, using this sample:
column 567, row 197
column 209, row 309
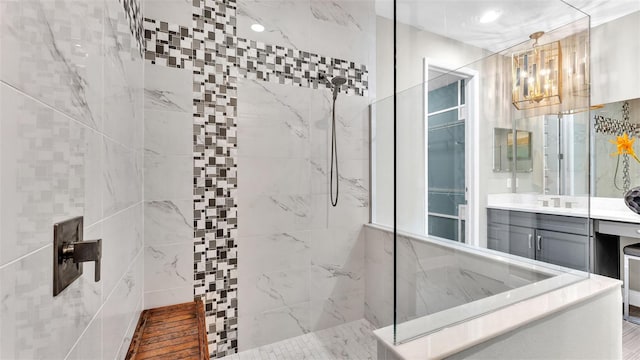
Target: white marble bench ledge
column 459, row 337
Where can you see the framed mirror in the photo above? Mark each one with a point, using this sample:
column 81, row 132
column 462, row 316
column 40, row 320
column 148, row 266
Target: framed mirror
column 504, row 150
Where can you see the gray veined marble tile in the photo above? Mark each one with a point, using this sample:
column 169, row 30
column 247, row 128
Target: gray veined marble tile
column 168, row 177
column 122, row 308
column 274, row 290
column 332, row 279
column 342, row 29
column 62, row 63
column 281, row 28
column 89, row 345
column 31, row 319
column 337, row 310
column 121, row 243
column 128, row 335
column 344, row 247
column 270, row 214
column 260, row 176
column 338, row 12
column 274, row 325
column 273, row 120
column 168, row 89
column 123, row 80
column 168, row 222
column 168, row 132
column 50, row 172
column 122, row 182
column 168, row 266
column 172, row 11
column 153, row 299
column 274, row 252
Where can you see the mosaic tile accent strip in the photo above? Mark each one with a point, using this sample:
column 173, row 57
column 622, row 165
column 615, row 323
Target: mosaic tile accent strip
column 215, row 170
column 257, row 60
column 168, row 44
column 134, row 16
column 217, row 57
column 171, row 45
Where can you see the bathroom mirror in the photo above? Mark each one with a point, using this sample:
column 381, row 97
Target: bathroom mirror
column 565, row 153
column 504, row 151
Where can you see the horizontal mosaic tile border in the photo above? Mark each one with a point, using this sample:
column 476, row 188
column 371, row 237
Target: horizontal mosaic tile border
column 134, row 16
column 168, row 45
column 291, row 66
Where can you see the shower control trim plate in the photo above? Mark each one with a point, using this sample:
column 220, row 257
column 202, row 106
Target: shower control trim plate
column 70, row 251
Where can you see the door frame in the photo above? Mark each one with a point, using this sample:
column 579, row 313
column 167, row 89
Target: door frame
column 472, row 153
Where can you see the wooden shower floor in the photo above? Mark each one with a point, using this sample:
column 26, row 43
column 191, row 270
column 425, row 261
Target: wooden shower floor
column 171, row 332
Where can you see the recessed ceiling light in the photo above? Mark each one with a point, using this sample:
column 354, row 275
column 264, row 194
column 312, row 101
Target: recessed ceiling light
column 490, row 16
column 257, row 28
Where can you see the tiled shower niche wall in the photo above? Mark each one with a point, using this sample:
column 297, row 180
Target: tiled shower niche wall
column 71, row 130
column 236, row 164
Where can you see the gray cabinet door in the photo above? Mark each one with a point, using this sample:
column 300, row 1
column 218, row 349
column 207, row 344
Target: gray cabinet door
column 521, row 241
column 498, row 237
column 563, row 249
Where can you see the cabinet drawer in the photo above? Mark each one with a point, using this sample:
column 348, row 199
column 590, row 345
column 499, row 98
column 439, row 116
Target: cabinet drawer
column 619, row 228
column 565, row 224
column 524, row 219
column 498, row 216
column 517, row 218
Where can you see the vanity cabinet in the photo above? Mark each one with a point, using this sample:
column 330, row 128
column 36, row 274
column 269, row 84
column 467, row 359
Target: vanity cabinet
column 560, row 240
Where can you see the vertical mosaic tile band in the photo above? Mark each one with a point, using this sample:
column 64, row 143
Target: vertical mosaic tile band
column 135, row 19
column 217, row 57
column 215, row 170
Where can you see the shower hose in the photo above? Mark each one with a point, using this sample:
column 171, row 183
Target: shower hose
column 334, row 155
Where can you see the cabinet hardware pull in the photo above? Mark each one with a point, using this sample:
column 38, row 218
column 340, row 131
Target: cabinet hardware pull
column 530, row 238
column 539, row 242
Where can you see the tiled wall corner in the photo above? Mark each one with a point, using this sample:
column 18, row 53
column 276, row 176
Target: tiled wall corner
column 71, row 144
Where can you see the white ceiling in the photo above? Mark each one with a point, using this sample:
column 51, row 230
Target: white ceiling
column 459, row 19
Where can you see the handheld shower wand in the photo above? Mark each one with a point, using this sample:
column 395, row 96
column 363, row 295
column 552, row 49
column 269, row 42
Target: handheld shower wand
column 335, row 84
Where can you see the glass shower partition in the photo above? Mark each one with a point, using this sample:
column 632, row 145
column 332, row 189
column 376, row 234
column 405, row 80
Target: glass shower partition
column 469, row 235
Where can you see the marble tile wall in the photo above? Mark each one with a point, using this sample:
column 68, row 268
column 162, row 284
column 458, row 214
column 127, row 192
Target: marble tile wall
column 430, row 277
column 301, row 260
column 71, row 130
column 168, row 168
column 201, row 43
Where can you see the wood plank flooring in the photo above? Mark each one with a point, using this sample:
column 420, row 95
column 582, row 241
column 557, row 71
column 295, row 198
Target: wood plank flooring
column 171, row 332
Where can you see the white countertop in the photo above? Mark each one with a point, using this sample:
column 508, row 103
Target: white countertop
column 612, row 209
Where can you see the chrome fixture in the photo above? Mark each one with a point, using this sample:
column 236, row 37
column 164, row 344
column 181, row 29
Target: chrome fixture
column 70, row 251
column 334, row 84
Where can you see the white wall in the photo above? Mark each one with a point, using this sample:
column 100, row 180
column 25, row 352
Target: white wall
column 413, row 46
column 71, row 130
column 614, row 52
